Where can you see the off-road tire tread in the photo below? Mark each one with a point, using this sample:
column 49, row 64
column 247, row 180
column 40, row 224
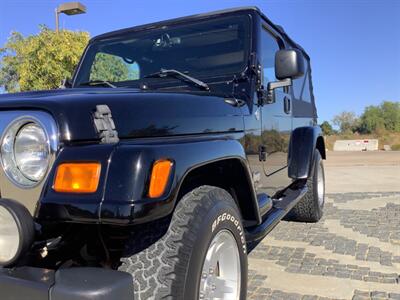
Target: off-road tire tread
column 307, row 209
column 159, row 269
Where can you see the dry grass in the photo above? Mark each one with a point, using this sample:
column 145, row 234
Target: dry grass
column 385, row 138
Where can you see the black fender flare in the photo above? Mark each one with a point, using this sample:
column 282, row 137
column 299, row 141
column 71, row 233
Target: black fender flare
column 303, row 142
column 125, row 199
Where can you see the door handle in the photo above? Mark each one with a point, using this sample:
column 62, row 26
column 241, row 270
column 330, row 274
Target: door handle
column 287, row 105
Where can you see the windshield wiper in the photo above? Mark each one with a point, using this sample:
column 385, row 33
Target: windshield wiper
column 98, row 82
column 177, row 74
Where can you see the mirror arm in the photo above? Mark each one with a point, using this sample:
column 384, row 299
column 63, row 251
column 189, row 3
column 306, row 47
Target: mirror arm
column 270, row 97
column 279, row 84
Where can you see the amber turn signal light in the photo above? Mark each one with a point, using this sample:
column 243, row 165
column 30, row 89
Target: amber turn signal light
column 77, row 178
column 159, row 178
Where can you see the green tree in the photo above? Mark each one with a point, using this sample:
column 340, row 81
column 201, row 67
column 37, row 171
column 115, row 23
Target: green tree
column 391, row 115
column 326, row 128
column 108, row 67
column 40, row 61
column 371, row 120
column 346, row 121
column 9, row 63
column 386, row 116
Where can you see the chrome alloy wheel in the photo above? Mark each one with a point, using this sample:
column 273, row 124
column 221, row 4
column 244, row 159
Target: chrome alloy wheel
column 221, row 273
column 320, row 185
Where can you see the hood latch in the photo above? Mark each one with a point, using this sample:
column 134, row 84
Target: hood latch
column 104, row 124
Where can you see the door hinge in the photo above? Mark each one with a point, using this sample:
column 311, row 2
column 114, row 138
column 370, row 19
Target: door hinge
column 104, row 124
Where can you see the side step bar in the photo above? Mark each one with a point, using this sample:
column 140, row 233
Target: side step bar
column 264, row 204
column 275, row 214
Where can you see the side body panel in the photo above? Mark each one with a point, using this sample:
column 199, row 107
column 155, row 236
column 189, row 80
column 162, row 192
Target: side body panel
column 268, row 126
column 276, row 118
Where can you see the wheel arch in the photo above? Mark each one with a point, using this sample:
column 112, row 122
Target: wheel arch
column 303, row 142
column 229, row 173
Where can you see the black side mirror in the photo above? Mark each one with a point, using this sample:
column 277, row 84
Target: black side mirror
column 289, row 64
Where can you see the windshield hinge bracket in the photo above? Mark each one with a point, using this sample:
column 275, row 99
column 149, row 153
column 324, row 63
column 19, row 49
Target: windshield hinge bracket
column 104, row 124
column 255, row 65
column 255, row 68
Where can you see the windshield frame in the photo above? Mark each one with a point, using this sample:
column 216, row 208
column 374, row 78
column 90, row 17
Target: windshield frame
column 170, row 82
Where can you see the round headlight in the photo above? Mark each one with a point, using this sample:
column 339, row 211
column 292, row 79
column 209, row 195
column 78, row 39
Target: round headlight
column 25, row 152
column 31, row 151
column 16, row 231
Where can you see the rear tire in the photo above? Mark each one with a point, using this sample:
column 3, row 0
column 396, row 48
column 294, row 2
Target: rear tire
column 172, row 264
column 310, row 208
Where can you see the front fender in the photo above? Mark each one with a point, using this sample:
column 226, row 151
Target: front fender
column 121, row 198
column 125, row 199
column 303, row 142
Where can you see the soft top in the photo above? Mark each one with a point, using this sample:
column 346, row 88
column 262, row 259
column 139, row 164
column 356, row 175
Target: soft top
column 199, row 17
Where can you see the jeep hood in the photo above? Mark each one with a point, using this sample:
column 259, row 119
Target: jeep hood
column 135, row 113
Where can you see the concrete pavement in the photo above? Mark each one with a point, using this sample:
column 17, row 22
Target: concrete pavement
column 353, row 252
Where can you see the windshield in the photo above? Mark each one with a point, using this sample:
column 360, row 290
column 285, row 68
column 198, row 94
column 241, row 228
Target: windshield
column 202, row 49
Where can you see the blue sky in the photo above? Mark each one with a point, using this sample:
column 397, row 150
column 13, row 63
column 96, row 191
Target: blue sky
column 354, row 44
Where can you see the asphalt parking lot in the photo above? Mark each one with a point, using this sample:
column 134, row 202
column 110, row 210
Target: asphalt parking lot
column 353, row 252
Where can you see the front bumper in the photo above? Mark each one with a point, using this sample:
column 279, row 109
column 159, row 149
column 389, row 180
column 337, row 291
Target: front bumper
column 65, row 284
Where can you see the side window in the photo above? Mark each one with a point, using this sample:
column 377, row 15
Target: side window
column 269, row 46
column 107, row 67
column 301, row 86
column 297, row 86
column 306, row 92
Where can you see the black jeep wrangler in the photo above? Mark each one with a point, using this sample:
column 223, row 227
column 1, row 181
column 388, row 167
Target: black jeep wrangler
column 175, row 146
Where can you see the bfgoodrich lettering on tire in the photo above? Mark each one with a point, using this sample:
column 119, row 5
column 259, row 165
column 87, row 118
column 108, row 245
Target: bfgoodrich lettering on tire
column 200, row 254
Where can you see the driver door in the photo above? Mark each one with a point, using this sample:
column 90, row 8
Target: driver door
column 276, row 122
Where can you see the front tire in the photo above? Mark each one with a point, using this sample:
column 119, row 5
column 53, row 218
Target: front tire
column 200, row 255
column 310, row 208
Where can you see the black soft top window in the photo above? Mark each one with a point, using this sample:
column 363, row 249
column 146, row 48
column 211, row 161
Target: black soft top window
column 202, row 49
column 303, row 104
